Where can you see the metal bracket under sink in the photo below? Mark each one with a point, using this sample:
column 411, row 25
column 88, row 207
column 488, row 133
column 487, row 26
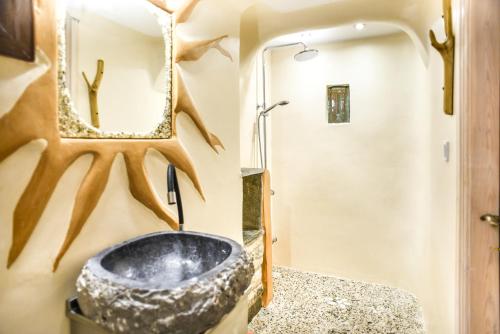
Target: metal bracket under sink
column 79, row 324
column 234, row 322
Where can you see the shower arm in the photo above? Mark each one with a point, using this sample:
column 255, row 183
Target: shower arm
column 263, row 159
column 263, row 60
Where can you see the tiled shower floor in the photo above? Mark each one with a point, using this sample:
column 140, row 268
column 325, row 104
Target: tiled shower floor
column 308, row 303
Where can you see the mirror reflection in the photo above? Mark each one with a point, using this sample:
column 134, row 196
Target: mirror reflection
column 116, row 79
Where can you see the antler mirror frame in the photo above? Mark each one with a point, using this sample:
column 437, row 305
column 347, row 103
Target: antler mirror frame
column 35, row 116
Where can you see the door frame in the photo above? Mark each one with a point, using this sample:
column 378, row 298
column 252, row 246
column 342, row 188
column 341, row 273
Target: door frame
column 479, row 295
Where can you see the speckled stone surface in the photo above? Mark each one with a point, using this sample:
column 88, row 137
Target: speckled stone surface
column 252, row 201
column 312, row 303
column 254, row 246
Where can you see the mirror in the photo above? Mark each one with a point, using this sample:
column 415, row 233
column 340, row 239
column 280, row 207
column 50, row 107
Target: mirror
column 114, row 69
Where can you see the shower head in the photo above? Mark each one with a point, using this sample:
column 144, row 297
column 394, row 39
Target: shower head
column 306, row 54
column 266, row 111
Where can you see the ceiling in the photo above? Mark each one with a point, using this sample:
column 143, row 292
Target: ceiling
column 335, row 34
column 292, row 5
column 134, row 14
column 266, row 20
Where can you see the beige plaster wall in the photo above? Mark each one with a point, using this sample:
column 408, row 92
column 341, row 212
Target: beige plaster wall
column 261, row 21
column 31, row 296
column 371, row 200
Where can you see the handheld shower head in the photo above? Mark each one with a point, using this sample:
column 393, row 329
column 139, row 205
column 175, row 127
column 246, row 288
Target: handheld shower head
column 266, row 111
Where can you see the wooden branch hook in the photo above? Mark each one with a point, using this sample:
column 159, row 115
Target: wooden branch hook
column 447, row 51
column 93, row 90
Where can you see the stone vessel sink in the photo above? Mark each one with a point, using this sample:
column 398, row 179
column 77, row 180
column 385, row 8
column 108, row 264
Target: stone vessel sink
column 167, row 282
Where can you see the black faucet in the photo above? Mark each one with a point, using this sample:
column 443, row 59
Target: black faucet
column 174, row 194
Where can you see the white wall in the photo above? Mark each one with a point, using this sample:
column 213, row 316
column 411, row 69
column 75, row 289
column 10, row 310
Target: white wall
column 31, row 296
column 251, row 103
column 248, row 110
column 371, row 200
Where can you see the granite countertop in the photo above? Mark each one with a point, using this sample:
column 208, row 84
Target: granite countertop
column 309, row 303
column 251, row 171
column 251, row 235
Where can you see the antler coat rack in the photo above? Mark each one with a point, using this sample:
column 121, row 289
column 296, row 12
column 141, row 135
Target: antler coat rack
column 447, row 51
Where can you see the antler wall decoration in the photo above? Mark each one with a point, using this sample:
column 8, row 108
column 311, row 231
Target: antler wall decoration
column 447, row 51
column 35, row 116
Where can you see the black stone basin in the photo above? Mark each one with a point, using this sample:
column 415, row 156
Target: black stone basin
column 168, row 282
column 165, row 260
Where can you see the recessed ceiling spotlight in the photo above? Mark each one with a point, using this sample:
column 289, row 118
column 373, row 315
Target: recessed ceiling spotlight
column 359, row 26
